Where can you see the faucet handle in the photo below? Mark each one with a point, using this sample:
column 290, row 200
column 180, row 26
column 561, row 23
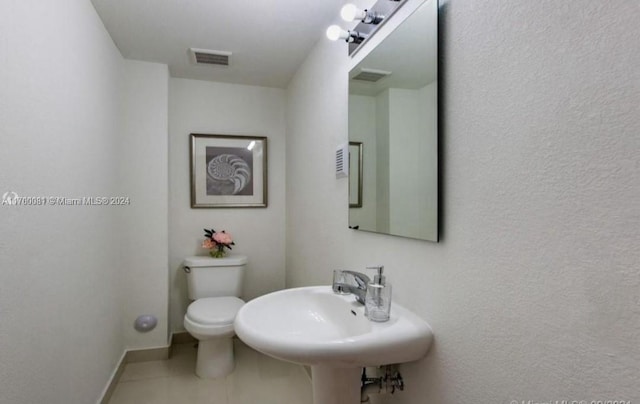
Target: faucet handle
column 338, row 282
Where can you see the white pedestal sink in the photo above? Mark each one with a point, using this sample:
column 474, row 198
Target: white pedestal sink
column 329, row 332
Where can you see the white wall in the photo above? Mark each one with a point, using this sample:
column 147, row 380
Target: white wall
column 216, row 108
column 413, row 159
column 60, row 312
column 533, row 291
column 144, row 179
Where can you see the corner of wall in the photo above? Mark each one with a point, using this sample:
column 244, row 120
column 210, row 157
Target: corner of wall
column 144, row 182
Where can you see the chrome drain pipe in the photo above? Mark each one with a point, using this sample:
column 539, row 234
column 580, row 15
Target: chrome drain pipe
column 389, row 383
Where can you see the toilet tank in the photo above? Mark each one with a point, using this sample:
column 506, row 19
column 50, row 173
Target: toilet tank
column 214, row 277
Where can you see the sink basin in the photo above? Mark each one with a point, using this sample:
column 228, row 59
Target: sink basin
column 314, row 326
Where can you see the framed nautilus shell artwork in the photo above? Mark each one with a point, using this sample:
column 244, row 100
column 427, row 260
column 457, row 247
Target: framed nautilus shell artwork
column 228, row 171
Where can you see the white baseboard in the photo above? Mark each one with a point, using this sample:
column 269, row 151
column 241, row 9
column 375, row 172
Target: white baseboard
column 147, row 354
column 113, row 380
column 144, row 355
column 135, row 355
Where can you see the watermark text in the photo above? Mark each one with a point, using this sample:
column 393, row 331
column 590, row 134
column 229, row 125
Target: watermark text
column 12, row 198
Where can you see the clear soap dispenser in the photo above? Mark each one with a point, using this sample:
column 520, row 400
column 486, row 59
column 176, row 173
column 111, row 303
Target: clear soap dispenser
column 378, row 297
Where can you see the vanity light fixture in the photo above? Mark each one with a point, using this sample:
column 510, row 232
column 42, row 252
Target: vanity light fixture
column 368, row 22
column 351, row 13
column 334, row 33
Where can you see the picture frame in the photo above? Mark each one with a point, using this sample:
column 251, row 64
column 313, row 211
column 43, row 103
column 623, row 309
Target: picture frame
column 228, row 171
column 355, row 174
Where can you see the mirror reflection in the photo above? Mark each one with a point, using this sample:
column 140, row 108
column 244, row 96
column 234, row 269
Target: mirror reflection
column 355, row 174
column 393, row 110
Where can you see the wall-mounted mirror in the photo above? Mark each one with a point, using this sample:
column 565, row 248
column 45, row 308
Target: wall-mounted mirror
column 393, row 116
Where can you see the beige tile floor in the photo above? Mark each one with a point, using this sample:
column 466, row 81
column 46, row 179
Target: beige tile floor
column 256, row 379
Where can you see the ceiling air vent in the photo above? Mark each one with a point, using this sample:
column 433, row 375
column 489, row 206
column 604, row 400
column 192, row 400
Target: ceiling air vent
column 210, row 57
column 371, row 75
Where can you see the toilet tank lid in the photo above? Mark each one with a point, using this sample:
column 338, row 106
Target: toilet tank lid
column 204, row 261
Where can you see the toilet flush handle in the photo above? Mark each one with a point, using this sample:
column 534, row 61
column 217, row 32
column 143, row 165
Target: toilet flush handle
column 187, row 270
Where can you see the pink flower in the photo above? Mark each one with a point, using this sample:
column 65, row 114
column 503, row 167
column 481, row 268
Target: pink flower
column 223, row 238
column 208, row 243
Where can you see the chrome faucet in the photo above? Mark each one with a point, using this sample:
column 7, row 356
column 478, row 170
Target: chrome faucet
column 351, row 282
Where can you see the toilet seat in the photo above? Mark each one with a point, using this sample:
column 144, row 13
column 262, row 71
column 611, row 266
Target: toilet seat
column 212, row 316
column 214, row 310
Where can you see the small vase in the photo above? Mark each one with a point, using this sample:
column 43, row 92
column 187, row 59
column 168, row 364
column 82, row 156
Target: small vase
column 217, row 252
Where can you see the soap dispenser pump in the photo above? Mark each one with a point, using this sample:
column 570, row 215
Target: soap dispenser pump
column 378, row 297
column 378, row 278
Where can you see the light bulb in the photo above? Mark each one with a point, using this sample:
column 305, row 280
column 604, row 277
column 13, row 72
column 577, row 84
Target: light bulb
column 349, row 12
column 334, row 33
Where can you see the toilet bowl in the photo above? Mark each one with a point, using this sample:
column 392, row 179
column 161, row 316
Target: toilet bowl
column 214, row 285
column 210, row 321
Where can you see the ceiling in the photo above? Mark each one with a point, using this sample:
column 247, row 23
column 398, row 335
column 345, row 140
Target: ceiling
column 269, row 39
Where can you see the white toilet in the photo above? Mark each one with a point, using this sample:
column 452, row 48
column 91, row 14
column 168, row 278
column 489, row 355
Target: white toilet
column 214, row 285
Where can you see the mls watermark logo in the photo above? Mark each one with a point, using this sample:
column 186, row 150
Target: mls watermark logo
column 10, row 198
